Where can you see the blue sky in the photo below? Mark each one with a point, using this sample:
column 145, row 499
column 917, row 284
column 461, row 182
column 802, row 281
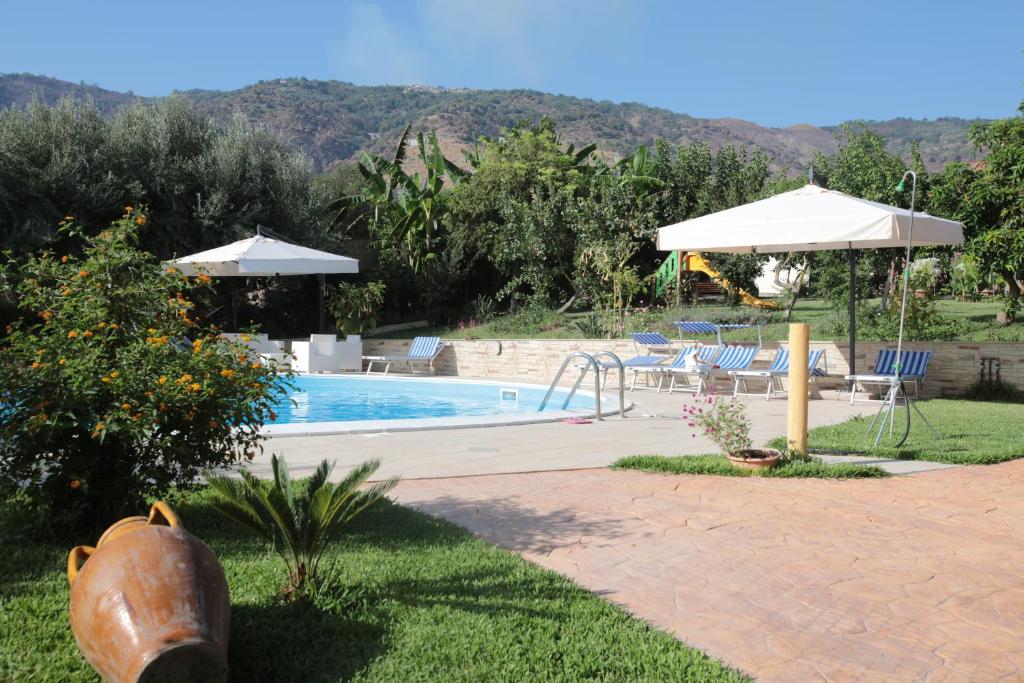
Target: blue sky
column 773, row 62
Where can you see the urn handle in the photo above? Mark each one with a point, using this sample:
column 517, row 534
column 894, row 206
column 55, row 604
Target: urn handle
column 78, row 554
column 161, row 513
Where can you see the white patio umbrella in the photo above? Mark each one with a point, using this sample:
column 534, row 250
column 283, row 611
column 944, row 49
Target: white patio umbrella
column 810, row 219
column 263, row 256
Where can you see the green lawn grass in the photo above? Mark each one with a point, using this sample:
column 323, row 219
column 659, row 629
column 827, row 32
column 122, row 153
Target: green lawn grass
column 410, row 598
column 720, row 465
column 978, row 316
column 971, row 432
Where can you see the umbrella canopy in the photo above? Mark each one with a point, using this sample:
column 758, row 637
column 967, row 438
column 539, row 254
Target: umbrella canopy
column 262, row 256
column 809, row 219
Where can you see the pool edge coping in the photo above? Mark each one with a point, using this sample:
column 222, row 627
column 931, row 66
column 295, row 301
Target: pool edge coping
column 340, row 427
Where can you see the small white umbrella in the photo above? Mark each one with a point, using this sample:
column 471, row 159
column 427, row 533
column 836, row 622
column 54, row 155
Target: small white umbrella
column 810, row 219
column 261, row 256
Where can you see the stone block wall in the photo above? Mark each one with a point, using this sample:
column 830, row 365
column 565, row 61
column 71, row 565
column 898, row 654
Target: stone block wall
column 953, row 368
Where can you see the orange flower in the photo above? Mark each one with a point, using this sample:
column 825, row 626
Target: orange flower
column 148, row 394
column 227, row 373
column 98, row 428
column 171, row 270
column 64, row 259
column 66, row 291
column 61, row 362
column 197, row 345
column 83, row 273
column 140, row 220
column 195, row 386
column 87, row 333
column 126, row 406
column 202, row 278
column 69, row 218
column 257, row 365
column 75, row 483
column 128, row 208
column 36, row 365
column 162, row 380
column 114, row 326
column 136, row 416
column 115, row 373
column 72, row 334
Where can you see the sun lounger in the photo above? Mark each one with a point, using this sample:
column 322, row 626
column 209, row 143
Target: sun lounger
column 913, row 367
column 730, row 358
column 775, row 372
column 651, row 348
column 687, row 365
column 423, row 350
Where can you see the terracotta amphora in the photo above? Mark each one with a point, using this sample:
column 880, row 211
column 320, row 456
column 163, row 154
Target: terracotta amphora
column 150, row 603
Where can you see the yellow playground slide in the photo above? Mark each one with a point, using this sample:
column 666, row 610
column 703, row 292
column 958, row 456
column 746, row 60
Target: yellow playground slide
column 693, row 261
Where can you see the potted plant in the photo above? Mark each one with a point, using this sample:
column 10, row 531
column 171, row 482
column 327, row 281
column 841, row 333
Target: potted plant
column 725, row 422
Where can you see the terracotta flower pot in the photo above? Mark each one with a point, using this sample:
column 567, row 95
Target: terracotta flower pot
column 150, row 603
column 755, row 458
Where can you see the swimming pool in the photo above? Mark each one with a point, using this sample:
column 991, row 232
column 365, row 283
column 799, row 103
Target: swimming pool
column 317, row 404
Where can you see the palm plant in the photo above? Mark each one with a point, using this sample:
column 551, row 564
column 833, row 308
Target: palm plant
column 300, row 519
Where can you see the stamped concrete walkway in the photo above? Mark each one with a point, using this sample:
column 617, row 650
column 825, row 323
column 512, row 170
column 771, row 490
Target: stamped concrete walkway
column 916, row 578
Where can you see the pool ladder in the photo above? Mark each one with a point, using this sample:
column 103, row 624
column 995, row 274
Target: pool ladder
column 590, row 361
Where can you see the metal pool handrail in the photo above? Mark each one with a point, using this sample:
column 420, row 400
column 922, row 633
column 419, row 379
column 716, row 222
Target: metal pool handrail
column 590, row 362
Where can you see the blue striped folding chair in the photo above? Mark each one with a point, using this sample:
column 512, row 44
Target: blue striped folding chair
column 683, row 373
column 422, row 350
column 913, row 366
column 773, row 374
column 731, row 358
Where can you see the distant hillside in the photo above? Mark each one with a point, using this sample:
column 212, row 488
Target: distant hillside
column 332, row 121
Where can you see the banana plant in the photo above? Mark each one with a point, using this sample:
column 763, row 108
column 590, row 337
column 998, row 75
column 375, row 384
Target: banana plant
column 299, row 519
column 406, row 211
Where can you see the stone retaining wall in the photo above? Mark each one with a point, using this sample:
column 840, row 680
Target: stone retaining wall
column 953, row 368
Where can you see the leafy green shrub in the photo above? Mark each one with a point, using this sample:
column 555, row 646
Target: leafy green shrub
column 997, row 390
column 111, row 392
column 591, row 326
column 530, row 320
column 300, row 519
column 483, row 308
column 355, row 307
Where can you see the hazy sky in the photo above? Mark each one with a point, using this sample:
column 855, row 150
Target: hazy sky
column 775, row 62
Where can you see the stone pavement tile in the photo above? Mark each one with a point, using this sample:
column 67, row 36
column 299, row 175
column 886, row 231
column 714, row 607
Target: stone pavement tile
column 901, row 579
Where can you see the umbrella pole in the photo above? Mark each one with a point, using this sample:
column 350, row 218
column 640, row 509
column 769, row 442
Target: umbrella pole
column 852, row 309
column 321, row 285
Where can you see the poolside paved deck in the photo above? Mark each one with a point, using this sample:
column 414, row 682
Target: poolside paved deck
column 652, row 427
column 917, row 578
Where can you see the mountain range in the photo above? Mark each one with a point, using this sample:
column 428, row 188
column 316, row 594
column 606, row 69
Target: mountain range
column 333, row 121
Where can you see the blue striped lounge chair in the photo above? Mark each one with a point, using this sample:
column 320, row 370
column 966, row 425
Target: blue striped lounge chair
column 652, row 348
column 422, row 350
column 731, row 358
column 684, row 369
column 773, row 374
column 913, row 367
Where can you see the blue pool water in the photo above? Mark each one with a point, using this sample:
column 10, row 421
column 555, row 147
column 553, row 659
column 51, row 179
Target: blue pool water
column 330, row 399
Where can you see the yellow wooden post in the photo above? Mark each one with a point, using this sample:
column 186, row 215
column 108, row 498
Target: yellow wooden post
column 796, row 435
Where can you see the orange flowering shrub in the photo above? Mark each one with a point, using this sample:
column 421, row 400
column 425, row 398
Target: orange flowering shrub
column 110, row 391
